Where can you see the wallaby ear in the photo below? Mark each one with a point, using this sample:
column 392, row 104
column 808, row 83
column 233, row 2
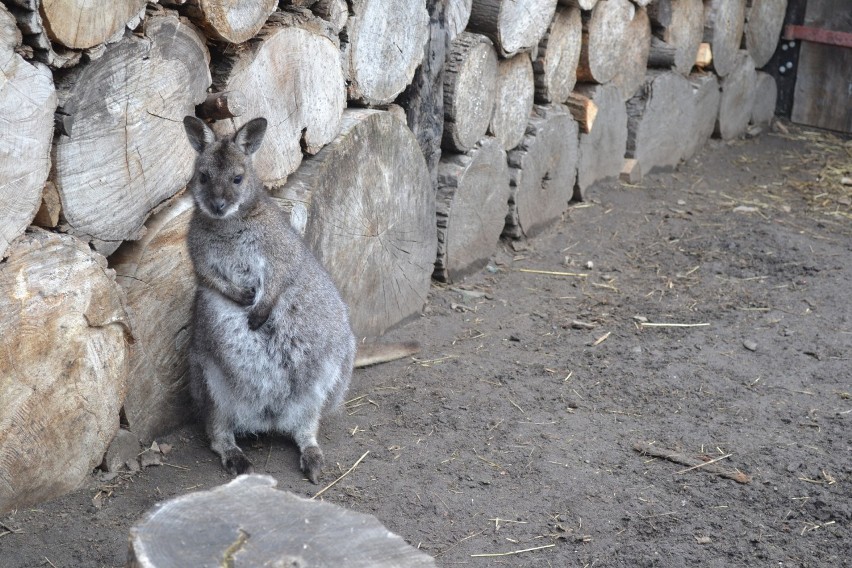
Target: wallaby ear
column 200, row 135
column 249, row 137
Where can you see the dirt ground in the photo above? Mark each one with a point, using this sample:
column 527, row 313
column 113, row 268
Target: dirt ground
column 515, row 427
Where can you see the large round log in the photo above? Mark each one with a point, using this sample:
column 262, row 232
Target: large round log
column 157, row 276
column 291, row 75
column 473, row 196
column 602, row 48
column 706, row 96
column 384, row 51
column 555, row 65
column 637, row 44
column 27, row 102
column 723, row 30
column 227, row 20
column 127, row 152
column 371, row 218
column 602, row 148
column 64, row 338
column 678, row 25
column 542, row 172
column 248, row 522
column 515, row 91
column 470, row 78
column 513, row 25
column 764, row 19
column 765, row 98
column 735, row 106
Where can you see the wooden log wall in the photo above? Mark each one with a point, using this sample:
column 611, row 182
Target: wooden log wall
column 405, row 137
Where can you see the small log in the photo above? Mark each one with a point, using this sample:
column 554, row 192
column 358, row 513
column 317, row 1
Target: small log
column 473, row 196
column 651, row 450
column 765, row 98
column 226, row 20
column 221, row 106
column 583, row 109
column 738, row 89
column 257, row 525
column 514, row 101
column 704, row 57
column 128, row 139
column 637, row 44
column 706, row 96
column 555, row 65
column 64, row 337
column 51, row 206
column 542, row 170
column 290, row 73
column 513, row 25
column 27, row 102
column 602, row 148
column 458, row 15
column 679, row 25
column 661, row 54
column 763, row 22
column 470, row 79
column 602, row 48
column 723, row 30
column 384, row 52
column 335, row 12
column 371, row 218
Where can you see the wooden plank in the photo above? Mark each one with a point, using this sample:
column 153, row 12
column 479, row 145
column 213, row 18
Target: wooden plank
column 818, row 35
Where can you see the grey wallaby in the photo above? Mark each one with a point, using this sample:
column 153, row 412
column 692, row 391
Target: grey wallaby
column 271, row 340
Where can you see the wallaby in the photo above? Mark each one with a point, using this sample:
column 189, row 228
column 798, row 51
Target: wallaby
column 271, row 340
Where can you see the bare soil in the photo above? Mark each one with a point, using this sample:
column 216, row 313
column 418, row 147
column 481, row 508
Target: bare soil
column 515, row 427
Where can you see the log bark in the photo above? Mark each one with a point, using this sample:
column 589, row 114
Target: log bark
column 513, row 25
column 555, row 65
column 458, row 14
column 291, row 75
column 765, row 98
column 677, row 25
column 27, row 102
column 335, row 12
column 602, row 48
column 723, row 30
column 226, row 20
column 64, row 335
column 384, row 52
column 637, row 45
column 50, row 209
column 602, row 149
column 738, row 89
column 127, row 152
column 157, row 276
column 258, row 525
column 472, row 202
column 583, row 109
column 657, row 117
column 542, row 171
column 514, row 101
column 470, row 79
column 706, row 96
column 371, row 218
column 661, row 54
column 764, row 19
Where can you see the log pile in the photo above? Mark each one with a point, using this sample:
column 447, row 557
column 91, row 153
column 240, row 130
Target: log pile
column 405, row 138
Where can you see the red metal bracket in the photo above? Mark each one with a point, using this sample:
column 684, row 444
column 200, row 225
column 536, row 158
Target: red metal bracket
column 818, row 35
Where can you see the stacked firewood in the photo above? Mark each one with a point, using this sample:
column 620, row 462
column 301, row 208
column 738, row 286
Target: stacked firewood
column 406, row 138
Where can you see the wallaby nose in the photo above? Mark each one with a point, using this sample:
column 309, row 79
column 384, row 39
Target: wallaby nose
column 219, row 204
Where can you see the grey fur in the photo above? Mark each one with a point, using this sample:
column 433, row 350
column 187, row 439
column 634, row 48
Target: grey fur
column 271, row 340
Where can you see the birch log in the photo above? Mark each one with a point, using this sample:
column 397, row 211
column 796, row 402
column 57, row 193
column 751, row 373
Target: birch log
column 764, row 19
column 63, row 335
column 371, row 218
column 735, row 106
column 542, row 172
column 678, row 25
column 765, row 98
column 555, row 65
column 602, row 148
column 473, row 195
column 384, row 51
column 637, row 44
column 723, row 30
column 706, row 96
column 127, row 152
column 27, row 102
column 513, row 25
column 515, row 91
column 226, row 20
column 291, row 75
column 602, row 48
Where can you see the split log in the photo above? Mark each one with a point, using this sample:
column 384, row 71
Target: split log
column 335, row 12
column 157, row 276
column 383, row 51
column 583, row 109
column 602, row 48
column 371, row 218
column 542, row 171
column 458, row 14
column 765, row 98
column 470, row 79
column 27, row 102
column 657, row 117
column 473, row 196
column 706, row 96
column 602, row 149
column 514, row 101
column 738, row 89
column 248, row 522
column 704, row 57
column 637, row 44
column 555, row 65
column 513, row 25
column 291, row 75
column 127, row 152
column 64, row 335
column 226, row 20
column 723, row 30
column 764, row 19
column 677, row 25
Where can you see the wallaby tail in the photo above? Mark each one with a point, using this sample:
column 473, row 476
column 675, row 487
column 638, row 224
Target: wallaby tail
column 375, row 353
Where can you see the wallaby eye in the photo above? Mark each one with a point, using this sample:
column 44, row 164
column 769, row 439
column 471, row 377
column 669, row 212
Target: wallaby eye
column 238, row 180
column 203, row 178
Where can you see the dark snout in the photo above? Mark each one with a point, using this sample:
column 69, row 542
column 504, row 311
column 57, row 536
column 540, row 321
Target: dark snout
column 218, row 205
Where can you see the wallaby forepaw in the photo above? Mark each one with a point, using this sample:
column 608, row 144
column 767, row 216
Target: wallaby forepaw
column 311, row 463
column 237, row 463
